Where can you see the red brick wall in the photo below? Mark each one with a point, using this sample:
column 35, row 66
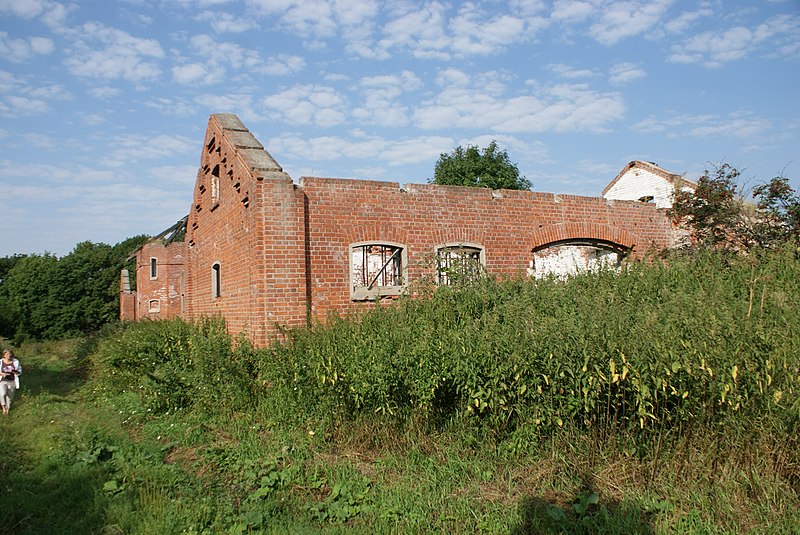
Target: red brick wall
column 167, row 287
column 255, row 232
column 285, row 249
column 507, row 224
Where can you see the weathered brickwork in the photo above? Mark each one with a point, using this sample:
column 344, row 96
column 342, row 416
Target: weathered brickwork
column 263, row 252
column 160, row 283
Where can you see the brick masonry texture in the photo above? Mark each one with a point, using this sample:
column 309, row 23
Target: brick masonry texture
column 283, row 249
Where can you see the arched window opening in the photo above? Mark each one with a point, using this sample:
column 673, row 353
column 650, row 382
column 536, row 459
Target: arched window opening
column 216, row 280
column 459, row 264
column 573, row 257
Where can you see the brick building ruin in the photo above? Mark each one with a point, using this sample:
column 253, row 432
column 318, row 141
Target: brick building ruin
column 263, row 252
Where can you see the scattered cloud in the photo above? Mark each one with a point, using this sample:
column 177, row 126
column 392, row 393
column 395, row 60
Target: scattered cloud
column 476, row 33
column 625, row 19
column 779, row 35
column 381, row 105
column 321, row 18
column 622, row 73
column 21, row 50
column 120, row 54
column 572, row 10
column 133, row 148
column 687, row 19
column 283, row 65
column 316, row 105
column 192, row 73
column 559, row 108
column 51, row 13
column 223, row 22
column 738, row 125
column 565, row 71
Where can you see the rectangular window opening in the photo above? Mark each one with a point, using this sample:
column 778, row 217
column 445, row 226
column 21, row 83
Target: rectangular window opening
column 376, row 270
column 459, row 264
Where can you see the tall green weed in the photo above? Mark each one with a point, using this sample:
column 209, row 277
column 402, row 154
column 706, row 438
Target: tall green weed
column 659, row 345
column 173, row 364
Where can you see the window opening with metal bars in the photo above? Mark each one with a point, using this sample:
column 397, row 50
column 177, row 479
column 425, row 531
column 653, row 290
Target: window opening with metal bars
column 456, row 264
column 376, row 269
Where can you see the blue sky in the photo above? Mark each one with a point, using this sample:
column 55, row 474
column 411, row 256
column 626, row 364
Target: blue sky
column 104, row 104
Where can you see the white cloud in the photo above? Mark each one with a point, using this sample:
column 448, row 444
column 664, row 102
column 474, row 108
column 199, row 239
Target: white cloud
column 452, row 77
column 380, row 99
column 104, row 92
column 20, row 50
column 51, row 13
column 193, row 73
column 321, row 18
column 572, row 10
column 421, row 30
column 283, row 65
column 222, row 53
column 121, row 55
column 415, row 150
column 474, row 33
column 565, row 71
column 169, row 106
column 780, row 35
column 18, row 98
column 223, row 22
column 393, row 152
column 307, row 105
column 737, row 125
column 687, row 19
column 626, row 19
column 133, row 148
column 622, row 73
column 560, row 108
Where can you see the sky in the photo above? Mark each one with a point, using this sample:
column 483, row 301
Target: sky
column 104, row 104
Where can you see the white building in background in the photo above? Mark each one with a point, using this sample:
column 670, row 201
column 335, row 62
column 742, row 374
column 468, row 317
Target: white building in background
column 646, row 182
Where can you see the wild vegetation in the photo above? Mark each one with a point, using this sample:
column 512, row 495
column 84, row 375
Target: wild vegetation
column 663, row 399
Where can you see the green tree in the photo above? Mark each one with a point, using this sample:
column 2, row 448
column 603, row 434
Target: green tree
column 778, row 219
column 484, row 168
column 713, row 212
column 27, row 296
column 717, row 215
column 44, row 297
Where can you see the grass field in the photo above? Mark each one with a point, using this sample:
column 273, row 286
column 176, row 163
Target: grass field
column 142, row 431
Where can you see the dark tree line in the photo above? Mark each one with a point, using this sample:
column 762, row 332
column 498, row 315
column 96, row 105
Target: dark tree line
column 43, row 297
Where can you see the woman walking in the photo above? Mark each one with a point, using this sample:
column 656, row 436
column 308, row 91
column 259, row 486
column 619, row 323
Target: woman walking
column 10, row 371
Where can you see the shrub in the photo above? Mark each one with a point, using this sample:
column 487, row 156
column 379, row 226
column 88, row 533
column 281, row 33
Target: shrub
column 173, row 364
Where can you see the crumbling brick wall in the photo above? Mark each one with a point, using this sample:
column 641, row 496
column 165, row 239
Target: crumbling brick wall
column 160, row 281
column 246, row 232
column 263, row 252
column 508, row 225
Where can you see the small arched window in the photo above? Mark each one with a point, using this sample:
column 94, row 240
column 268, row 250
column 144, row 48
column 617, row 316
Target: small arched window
column 216, row 280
